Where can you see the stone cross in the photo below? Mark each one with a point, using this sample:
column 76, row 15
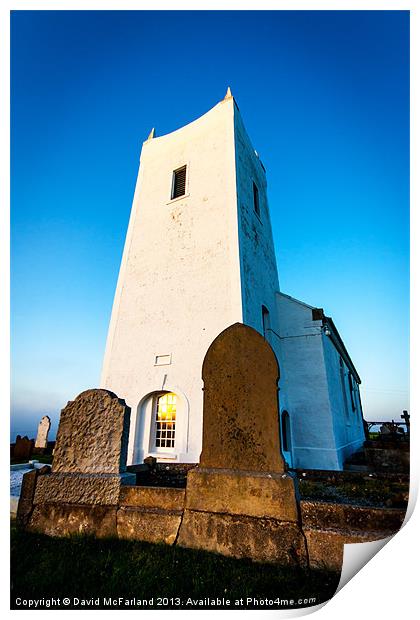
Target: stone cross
column 406, row 417
column 43, row 430
column 241, row 413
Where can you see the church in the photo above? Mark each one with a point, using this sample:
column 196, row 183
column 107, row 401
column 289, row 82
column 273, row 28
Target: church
column 198, row 257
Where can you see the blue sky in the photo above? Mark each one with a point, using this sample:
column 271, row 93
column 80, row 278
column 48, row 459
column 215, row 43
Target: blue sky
column 325, row 99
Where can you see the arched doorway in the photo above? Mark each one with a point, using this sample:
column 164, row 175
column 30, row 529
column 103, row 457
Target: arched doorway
column 160, row 427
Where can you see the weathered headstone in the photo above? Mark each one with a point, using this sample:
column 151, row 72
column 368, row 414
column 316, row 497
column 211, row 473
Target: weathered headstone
column 240, row 501
column 240, row 422
column 23, row 448
column 92, row 436
column 89, row 467
column 42, row 435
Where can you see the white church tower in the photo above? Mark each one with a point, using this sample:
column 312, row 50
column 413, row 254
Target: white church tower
column 198, row 257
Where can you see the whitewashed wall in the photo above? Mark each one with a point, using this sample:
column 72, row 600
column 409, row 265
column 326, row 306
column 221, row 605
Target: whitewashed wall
column 348, row 424
column 259, row 278
column 324, row 430
column 179, row 282
column 304, row 379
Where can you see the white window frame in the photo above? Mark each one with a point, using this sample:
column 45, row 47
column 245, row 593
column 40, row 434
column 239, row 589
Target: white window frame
column 153, row 449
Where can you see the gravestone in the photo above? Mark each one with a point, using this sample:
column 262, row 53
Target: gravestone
column 406, row 417
column 240, row 422
column 23, row 448
column 239, row 500
column 42, row 435
column 92, row 436
column 89, row 467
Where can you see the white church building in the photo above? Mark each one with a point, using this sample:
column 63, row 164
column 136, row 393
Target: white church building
column 198, row 257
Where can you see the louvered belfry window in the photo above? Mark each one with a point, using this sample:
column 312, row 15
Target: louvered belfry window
column 178, row 182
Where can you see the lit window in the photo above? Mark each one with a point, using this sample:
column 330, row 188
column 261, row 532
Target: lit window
column 165, row 418
column 256, row 200
column 178, row 182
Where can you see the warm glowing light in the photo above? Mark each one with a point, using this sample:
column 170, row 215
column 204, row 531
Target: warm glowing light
column 165, row 420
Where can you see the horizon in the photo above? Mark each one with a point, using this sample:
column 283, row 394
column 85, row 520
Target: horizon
column 324, row 96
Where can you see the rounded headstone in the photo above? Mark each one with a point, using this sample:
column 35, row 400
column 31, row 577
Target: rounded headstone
column 241, row 415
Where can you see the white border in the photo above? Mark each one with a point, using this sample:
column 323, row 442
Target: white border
column 386, row 586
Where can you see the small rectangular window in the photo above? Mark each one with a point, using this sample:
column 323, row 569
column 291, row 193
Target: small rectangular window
column 178, row 182
column 256, row 200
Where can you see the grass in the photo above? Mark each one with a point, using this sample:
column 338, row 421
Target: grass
column 364, row 493
column 85, row 567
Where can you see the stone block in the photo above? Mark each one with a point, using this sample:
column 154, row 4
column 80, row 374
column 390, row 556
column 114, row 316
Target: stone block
column 393, row 458
column 14, row 503
column 326, row 546
column 71, row 488
column 161, row 498
column 27, row 493
column 155, row 526
column 254, row 494
column 261, row 539
column 349, row 517
column 66, row 519
column 26, row 498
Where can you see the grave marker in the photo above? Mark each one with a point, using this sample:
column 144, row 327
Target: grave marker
column 23, row 448
column 42, row 435
column 239, row 501
column 82, row 491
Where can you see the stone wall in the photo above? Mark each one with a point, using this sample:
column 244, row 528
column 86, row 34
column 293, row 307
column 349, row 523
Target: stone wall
column 328, row 526
column 388, row 456
column 155, row 515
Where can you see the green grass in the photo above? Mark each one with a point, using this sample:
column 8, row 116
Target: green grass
column 43, row 458
column 365, row 492
column 85, row 567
